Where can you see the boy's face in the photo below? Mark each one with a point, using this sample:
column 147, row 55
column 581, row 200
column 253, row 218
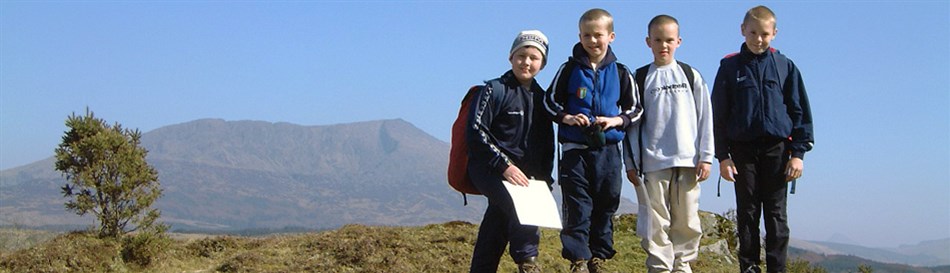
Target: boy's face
column 595, row 36
column 526, row 63
column 759, row 34
column 663, row 41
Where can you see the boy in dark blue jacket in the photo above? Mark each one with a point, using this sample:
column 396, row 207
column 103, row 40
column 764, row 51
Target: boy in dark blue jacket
column 762, row 126
column 592, row 99
column 510, row 140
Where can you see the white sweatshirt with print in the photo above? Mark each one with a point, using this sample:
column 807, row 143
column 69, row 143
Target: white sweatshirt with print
column 676, row 122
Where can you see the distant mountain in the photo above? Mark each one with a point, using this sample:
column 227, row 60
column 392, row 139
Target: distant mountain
column 811, row 246
column 250, row 174
column 928, row 253
column 233, row 175
column 938, row 249
column 836, row 263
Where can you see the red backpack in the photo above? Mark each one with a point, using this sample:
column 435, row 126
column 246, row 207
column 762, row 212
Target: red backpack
column 458, row 155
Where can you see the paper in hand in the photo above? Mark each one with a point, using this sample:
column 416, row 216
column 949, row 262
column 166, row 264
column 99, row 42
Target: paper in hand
column 534, row 204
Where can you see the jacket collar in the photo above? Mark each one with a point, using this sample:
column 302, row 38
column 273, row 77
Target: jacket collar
column 581, row 58
column 510, row 81
column 747, row 54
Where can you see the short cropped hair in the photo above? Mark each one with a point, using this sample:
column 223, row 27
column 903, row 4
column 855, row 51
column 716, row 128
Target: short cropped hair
column 760, row 13
column 659, row 20
column 595, row 14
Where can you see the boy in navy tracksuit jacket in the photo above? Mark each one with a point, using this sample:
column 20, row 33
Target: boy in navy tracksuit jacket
column 762, row 126
column 592, row 99
column 510, row 139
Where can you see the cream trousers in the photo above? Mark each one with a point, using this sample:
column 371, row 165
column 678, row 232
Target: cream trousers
column 668, row 219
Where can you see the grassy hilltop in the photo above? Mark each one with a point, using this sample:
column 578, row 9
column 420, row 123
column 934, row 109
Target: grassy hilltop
column 443, row 247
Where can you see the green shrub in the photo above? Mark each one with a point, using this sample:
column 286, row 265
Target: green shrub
column 244, row 262
column 208, row 247
column 143, row 248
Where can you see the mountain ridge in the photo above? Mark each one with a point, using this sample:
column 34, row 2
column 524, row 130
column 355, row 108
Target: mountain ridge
column 926, row 253
column 258, row 174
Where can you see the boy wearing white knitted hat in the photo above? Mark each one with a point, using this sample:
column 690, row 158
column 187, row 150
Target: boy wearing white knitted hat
column 510, row 140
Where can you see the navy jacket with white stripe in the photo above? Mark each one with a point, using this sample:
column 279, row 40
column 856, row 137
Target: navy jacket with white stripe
column 750, row 103
column 507, row 125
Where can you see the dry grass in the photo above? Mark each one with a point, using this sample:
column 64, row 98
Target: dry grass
column 12, row 239
column 353, row 248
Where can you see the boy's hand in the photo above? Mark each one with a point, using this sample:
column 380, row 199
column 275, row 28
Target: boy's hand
column 607, row 123
column 702, row 171
column 515, row 176
column 728, row 170
column 634, row 178
column 794, row 168
column 576, row 120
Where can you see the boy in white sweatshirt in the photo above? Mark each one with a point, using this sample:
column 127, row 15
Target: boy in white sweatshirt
column 672, row 148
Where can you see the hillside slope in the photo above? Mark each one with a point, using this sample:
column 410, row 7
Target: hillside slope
column 445, row 247
column 229, row 175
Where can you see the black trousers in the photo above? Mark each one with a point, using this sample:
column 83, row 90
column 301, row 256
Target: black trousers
column 500, row 227
column 761, row 190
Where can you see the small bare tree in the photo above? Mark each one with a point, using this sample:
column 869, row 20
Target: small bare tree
column 107, row 175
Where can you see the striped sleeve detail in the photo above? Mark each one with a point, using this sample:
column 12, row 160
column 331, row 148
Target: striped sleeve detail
column 483, row 129
column 550, row 101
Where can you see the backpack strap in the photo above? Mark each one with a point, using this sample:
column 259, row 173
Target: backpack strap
column 640, row 77
column 495, row 85
column 690, row 77
column 781, row 64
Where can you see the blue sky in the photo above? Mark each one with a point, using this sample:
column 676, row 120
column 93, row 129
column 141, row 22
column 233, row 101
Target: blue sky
column 877, row 73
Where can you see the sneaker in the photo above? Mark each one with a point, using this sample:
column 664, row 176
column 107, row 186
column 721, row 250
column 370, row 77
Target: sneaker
column 579, row 266
column 529, row 266
column 596, row 265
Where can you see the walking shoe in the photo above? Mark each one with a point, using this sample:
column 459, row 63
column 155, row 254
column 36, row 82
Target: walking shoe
column 596, row 265
column 752, row 269
column 529, row 265
column 579, row 266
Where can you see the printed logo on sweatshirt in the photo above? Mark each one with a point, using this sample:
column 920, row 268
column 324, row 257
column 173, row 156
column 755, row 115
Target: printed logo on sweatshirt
column 520, row 113
column 672, row 88
column 581, row 92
